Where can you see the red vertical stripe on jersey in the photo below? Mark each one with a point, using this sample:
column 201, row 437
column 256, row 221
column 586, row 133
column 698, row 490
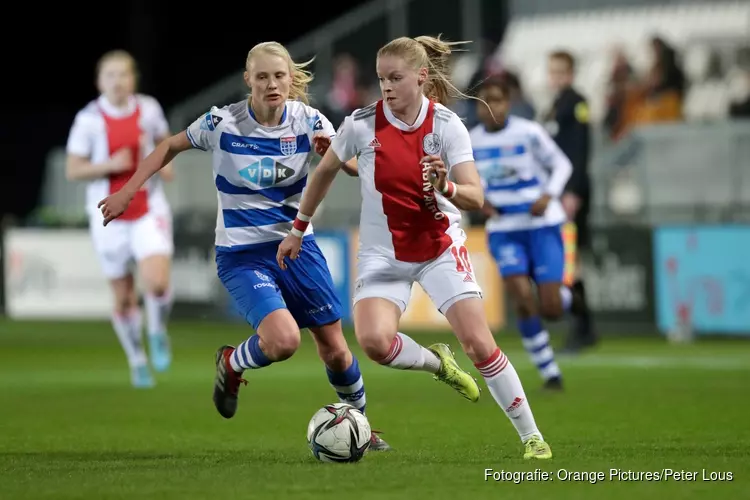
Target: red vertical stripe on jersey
column 418, row 227
column 125, row 133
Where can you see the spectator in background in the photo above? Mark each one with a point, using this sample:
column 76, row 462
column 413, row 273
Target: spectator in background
column 344, row 96
column 661, row 95
column 740, row 107
column 519, row 104
column 619, row 100
column 568, row 123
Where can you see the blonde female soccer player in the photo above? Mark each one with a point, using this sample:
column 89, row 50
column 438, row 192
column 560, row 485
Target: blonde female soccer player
column 407, row 145
column 261, row 151
column 109, row 138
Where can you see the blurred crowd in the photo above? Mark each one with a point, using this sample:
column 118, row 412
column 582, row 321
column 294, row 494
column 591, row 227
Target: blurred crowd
column 654, row 96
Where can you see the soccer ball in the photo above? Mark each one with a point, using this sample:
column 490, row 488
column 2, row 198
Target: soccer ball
column 338, row 433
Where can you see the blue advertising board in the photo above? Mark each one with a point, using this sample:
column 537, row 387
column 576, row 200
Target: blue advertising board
column 706, row 271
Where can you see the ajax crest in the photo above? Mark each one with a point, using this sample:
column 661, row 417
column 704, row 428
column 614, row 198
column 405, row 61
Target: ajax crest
column 431, row 144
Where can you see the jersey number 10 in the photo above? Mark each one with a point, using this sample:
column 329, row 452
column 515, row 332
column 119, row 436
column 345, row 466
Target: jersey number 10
column 463, row 264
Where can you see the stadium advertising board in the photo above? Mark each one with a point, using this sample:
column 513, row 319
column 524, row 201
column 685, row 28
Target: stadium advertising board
column 703, row 272
column 55, row 274
column 618, row 272
column 421, row 314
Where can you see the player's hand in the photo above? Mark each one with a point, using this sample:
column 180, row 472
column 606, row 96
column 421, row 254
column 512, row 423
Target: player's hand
column 437, row 171
column 290, row 247
column 321, row 143
column 540, row 206
column 571, row 203
column 121, row 161
column 114, row 205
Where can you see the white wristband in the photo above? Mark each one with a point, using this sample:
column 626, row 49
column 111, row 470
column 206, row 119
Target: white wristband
column 296, row 232
column 303, row 217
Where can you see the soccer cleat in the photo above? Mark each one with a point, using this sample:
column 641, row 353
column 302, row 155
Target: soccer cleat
column 161, row 352
column 451, row 374
column 141, row 378
column 227, row 383
column 537, row 449
column 377, row 443
column 553, row 384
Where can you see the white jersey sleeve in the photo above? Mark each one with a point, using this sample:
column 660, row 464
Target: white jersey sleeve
column 81, row 139
column 345, row 143
column 548, row 154
column 204, row 132
column 457, row 148
column 155, row 117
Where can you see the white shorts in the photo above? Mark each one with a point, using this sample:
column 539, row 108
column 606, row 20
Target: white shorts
column 446, row 279
column 121, row 242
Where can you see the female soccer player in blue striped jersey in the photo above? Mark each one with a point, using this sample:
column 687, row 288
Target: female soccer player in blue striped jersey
column 523, row 173
column 261, row 150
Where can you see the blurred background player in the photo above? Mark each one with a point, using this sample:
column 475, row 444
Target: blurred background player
column 108, row 139
column 262, row 148
column 406, row 144
column 568, row 124
column 525, row 220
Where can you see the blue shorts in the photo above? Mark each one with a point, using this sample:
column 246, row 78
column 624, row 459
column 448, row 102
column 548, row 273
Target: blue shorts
column 258, row 286
column 537, row 253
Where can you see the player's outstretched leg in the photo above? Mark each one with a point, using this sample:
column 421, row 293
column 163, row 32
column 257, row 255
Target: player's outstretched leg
column 277, row 339
column 535, row 338
column 127, row 322
column 376, row 324
column 342, row 369
column 158, row 302
column 468, row 321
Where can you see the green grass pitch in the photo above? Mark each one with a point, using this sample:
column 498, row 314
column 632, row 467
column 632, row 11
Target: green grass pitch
column 72, row 428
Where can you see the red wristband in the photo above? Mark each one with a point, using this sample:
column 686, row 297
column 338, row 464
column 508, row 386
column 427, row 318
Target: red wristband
column 300, row 225
column 450, row 190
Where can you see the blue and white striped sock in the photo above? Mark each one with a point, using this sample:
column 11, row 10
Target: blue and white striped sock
column 536, row 341
column 249, row 356
column 349, row 385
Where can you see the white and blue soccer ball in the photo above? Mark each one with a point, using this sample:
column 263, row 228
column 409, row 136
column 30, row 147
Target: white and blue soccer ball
column 339, row 432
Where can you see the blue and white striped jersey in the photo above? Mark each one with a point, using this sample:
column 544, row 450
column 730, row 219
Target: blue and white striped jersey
column 259, row 171
column 517, row 165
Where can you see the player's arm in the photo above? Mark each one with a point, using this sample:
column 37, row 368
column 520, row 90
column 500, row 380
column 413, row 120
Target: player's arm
column 160, row 157
column 350, row 167
column 161, row 133
column 167, row 171
column 547, row 153
column 78, row 164
column 467, row 192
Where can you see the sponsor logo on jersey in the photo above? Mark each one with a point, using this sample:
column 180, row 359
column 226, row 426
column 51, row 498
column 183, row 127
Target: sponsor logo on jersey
column 210, row 122
column 266, row 173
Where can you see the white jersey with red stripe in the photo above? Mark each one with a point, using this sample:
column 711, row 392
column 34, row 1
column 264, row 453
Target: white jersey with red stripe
column 101, row 129
column 145, row 228
column 408, row 231
column 403, row 217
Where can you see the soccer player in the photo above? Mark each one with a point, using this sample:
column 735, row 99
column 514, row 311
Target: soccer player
column 262, row 149
column 522, row 201
column 108, row 139
column 407, row 144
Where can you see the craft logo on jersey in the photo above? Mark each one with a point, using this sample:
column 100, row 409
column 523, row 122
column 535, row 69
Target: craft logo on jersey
column 288, row 145
column 266, row 172
column 431, row 143
column 210, row 122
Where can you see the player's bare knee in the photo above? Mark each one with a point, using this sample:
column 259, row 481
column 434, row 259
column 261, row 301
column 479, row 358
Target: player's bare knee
column 159, row 289
column 551, row 310
column 336, row 359
column 376, row 342
column 283, row 344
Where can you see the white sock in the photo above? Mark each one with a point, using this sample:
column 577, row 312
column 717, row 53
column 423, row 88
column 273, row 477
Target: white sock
column 567, row 297
column 405, row 354
column 158, row 309
column 506, row 388
column 128, row 330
